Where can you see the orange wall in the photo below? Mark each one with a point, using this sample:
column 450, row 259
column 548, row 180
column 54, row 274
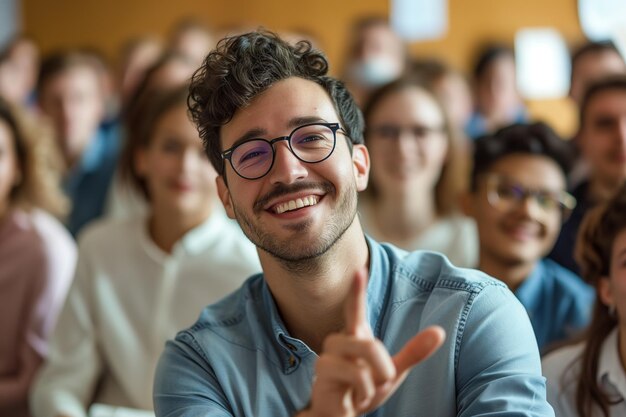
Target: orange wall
column 108, row 23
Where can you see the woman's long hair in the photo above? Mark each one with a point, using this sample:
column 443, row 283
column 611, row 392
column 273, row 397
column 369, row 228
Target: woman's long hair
column 38, row 161
column 593, row 253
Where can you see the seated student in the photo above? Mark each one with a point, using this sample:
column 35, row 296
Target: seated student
column 192, row 38
column 375, row 56
column 587, row 378
column 518, row 200
column 70, row 94
column 171, row 70
column 498, row 103
column 37, row 256
column 19, row 65
column 450, row 86
column 314, row 334
column 415, row 179
column 139, row 280
column 601, row 139
column 590, row 62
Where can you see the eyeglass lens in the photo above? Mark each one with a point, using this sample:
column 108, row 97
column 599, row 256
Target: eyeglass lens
column 311, row 143
column 506, row 196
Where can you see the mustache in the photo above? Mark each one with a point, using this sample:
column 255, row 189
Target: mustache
column 283, row 189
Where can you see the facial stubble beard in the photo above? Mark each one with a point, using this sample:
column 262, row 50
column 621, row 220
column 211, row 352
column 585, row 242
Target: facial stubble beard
column 309, row 260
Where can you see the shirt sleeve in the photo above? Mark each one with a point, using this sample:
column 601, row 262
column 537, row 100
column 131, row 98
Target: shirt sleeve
column 185, row 385
column 66, row 382
column 499, row 370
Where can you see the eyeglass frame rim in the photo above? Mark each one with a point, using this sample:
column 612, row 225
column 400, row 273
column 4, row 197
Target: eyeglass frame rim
column 565, row 210
column 334, row 127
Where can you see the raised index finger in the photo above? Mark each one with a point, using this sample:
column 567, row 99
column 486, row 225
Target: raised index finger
column 355, row 310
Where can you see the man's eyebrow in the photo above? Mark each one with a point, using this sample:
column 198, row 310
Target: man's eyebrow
column 256, row 133
column 299, row 121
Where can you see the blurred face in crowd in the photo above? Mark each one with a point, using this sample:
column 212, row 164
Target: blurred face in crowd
column 496, row 90
column 602, row 137
column 407, row 141
column 592, row 67
column 9, row 169
column 137, row 62
column 18, row 73
column 178, row 175
column 73, row 100
column 455, row 95
column 515, row 227
column 612, row 289
column 378, row 58
column 194, row 43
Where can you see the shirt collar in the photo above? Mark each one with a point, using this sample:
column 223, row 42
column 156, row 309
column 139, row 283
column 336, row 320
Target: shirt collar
column 610, row 365
column 291, row 350
column 194, row 241
column 205, row 234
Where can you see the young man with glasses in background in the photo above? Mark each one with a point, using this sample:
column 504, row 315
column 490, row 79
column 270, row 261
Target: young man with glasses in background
column 336, row 322
column 519, row 202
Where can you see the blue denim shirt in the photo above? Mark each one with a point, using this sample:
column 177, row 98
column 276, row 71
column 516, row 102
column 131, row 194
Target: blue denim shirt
column 558, row 302
column 239, row 359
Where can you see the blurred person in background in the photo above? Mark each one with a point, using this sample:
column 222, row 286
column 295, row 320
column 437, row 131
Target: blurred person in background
column 601, row 139
column 375, row 56
column 192, row 38
column 19, row 66
column 497, row 100
column 110, row 121
column 37, row 254
column 416, row 174
column 136, row 57
column 171, row 70
column 590, row 62
column 519, row 200
column 141, row 279
column 586, row 378
column 451, row 88
column 71, row 96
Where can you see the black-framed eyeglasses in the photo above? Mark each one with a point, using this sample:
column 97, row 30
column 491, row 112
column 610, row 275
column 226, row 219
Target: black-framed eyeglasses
column 505, row 194
column 311, row 143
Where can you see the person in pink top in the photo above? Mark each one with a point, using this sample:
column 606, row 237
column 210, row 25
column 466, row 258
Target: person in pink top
column 37, row 256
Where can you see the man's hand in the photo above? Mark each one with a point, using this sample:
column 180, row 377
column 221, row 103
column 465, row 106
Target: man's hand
column 355, row 373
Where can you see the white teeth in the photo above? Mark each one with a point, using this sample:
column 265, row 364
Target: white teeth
column 296, row 204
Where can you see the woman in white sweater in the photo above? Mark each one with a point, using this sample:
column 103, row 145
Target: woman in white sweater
column 588, row 379
column 415, row 180
column 142, row 279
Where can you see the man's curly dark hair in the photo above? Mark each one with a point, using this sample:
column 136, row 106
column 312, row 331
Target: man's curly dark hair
column 242, row 67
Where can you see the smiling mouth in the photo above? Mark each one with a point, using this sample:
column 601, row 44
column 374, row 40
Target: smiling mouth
column 295, row 204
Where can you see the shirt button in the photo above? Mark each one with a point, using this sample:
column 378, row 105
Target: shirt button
column 292, row 361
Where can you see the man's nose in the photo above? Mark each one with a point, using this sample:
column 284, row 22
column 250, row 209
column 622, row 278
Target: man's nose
column 530, row 207
column 287, row 167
